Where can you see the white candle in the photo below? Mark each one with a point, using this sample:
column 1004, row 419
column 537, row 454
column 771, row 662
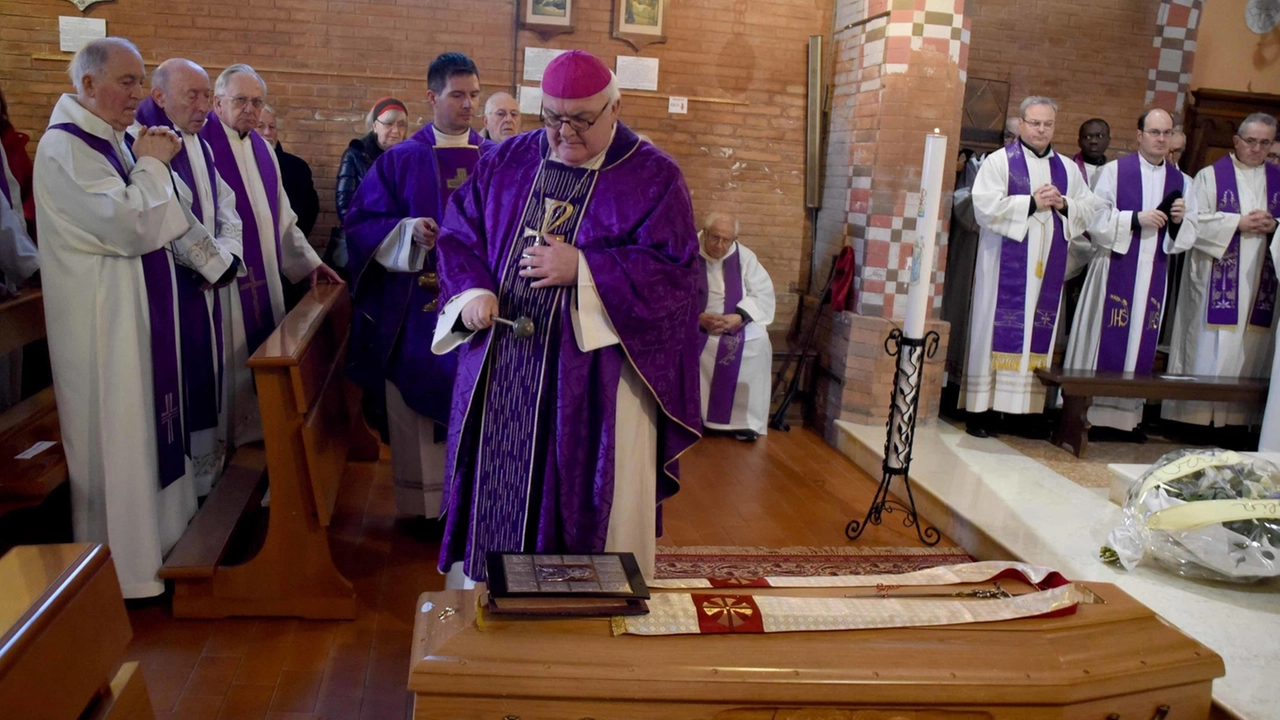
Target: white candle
column 935, row 163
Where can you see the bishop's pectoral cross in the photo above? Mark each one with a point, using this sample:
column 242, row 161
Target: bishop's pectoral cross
column 456, row 181
column 551, row 221
column 169, row 414
column 252, row 286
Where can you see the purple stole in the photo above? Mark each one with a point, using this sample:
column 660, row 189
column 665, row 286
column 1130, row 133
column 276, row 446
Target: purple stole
column 1122, row 273
column 1010, row 323
column 201, row 380
column 255, row 297
column 514, row 435
column 1080, row 163
column 170, row 452
column 724, row 379
column 4, row 188
column 1224, row 285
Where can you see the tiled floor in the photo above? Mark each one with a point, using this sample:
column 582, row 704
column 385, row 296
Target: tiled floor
column 786, row 489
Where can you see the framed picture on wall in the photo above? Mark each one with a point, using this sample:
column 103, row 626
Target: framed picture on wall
column 547, row 17
column 640, row 22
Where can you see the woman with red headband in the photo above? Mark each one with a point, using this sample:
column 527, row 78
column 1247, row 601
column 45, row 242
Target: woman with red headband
column 387, row 124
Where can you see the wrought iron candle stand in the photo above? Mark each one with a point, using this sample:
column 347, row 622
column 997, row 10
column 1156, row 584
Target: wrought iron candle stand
column 903, row 407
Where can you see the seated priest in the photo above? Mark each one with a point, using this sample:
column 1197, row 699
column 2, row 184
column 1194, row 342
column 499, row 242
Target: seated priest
column 737, row 358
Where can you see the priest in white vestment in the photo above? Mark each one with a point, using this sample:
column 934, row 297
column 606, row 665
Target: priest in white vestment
column 1031, row 204
column 111, row 230
column 18, row 262
column 1224, row 324
column 737, row 357
column 273, row 244
column 1145, row 212
column 181, row 96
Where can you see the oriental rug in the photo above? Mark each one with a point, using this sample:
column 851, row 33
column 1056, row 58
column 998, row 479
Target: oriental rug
column 724, row 562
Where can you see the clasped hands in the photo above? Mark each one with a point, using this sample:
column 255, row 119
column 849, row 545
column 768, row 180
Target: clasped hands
column 719, row 324
column 1258, row 221
column 551, row 265
column 158, row 142
column 1157, row 219
column 1047, row 196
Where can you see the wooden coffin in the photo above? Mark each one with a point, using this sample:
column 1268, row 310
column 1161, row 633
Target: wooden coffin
column 1111, row 660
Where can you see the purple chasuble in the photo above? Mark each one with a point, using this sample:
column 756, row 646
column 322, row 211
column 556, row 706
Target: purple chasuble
column 724, row 379
column 1224, row 284
column 395, row 312
column 1010, row 321
column 255, row 296
column 170, row 453
column 532, row 435
column 1122, row 274
column 201, row 376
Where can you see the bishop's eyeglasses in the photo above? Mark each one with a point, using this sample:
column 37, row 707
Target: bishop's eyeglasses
column 577, row 122
column 240, row 101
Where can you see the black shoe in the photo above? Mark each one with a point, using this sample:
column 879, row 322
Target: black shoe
column 746, row 435
column 976, row 430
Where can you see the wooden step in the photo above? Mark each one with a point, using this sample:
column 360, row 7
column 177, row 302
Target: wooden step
column 203, row 545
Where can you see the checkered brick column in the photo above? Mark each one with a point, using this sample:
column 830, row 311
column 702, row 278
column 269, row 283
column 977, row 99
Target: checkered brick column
column 899, row 72
column 1173, row 51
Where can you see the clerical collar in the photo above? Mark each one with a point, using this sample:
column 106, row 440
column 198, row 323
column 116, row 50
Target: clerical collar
column 1145, row 161
column 443, row 140
column 1047, row 149
column 1242, row 167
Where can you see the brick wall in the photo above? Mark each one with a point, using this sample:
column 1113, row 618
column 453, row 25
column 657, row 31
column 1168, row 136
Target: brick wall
column 1093, row 57
column 325, row 63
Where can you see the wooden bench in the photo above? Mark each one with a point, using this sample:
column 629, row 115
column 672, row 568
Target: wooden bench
column 63, row 633
column 30, row 483
column 307, row 422
column 1080, row 387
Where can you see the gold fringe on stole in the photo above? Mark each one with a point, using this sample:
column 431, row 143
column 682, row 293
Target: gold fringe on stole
column 1037, row 361
column 1006, row 361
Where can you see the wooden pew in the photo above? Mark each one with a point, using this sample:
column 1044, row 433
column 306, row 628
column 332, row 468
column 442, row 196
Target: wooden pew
column 1080, row 387
column 29, row 483
column 63, row 632
column 303, row 396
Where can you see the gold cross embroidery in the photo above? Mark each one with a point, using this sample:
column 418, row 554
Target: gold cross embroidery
column 252, row 286
column 456, row 181
column 551, row 222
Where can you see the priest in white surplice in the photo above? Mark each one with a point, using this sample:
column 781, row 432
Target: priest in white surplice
column 737, row 358
column 273, row 244
column 1224, row 324
column 111, row 229
column 181, row 95
column 1031, row 203
column 1145, row 211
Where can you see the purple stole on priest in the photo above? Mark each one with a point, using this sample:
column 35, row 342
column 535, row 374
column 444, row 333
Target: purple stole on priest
column 724, row 378
column 201, row 376
column 513, row 438
column 1122, row 274
column 4, row 188
column 1010, row 321
column 255, row 297
column 170, row 440
column 1224, row 284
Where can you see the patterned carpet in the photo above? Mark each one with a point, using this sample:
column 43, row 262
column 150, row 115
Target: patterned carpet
column 708, row 561
column 1091, row 470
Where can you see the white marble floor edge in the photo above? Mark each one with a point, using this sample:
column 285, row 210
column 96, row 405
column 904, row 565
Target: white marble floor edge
column 1042, row 517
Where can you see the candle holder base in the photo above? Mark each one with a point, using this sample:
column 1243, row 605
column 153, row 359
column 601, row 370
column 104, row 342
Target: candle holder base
column 901, row 428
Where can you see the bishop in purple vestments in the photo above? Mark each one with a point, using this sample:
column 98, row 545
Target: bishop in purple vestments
column 567, row 440
column 391, row 234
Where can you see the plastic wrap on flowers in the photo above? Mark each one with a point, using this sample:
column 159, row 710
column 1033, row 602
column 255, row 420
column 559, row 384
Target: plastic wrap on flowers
column 1212, row 514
